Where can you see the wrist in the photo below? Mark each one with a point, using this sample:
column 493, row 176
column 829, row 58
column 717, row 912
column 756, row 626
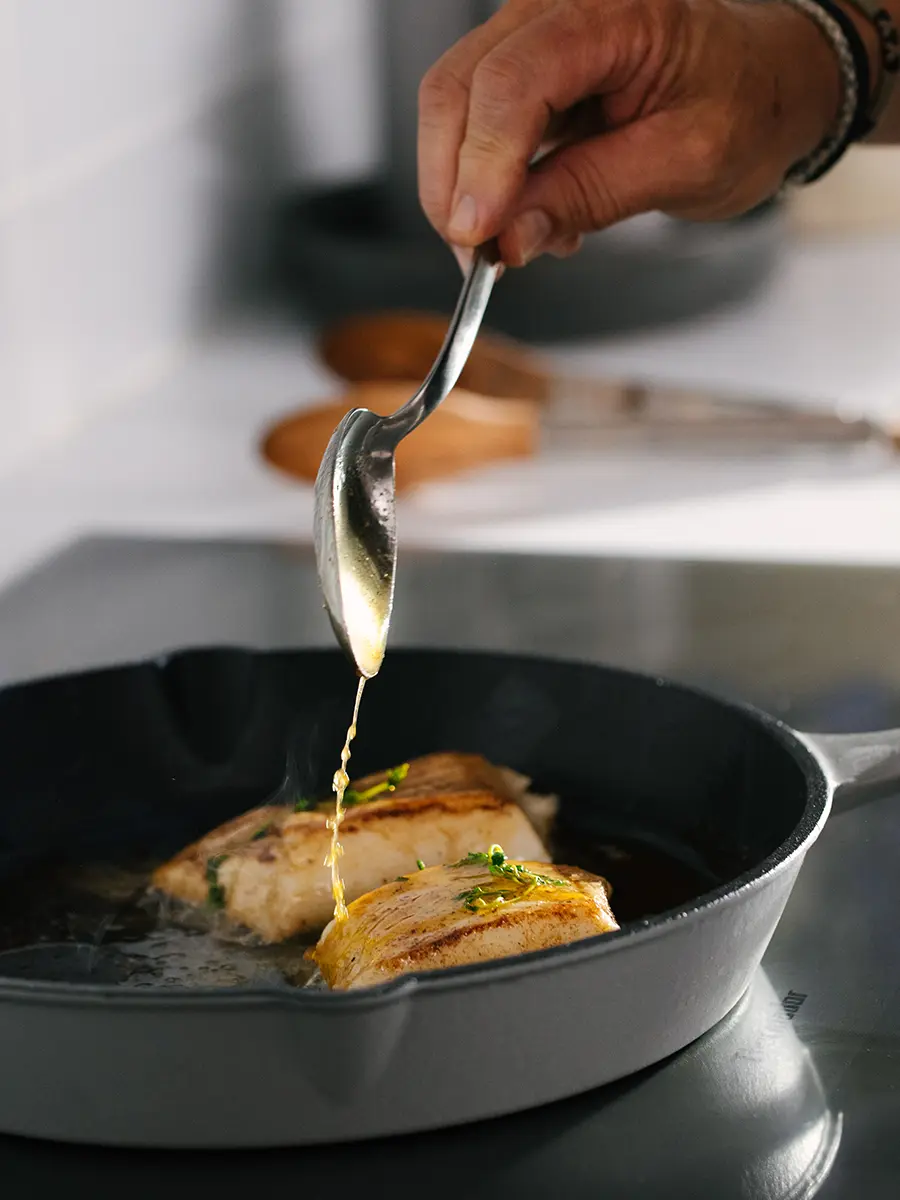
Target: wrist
column 808, row 85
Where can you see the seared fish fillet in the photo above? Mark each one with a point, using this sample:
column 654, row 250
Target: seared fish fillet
column 423, row 923
column 265, row 870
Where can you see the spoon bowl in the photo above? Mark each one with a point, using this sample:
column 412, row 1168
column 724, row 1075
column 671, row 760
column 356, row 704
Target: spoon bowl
column 355, row 529
column 355, row 523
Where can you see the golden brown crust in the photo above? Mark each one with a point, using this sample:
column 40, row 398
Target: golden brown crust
column 396, row 806
column 508, row 918
column 435, row 774
column 423, row 922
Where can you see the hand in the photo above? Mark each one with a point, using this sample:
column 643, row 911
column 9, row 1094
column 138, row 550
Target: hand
column 695, row 108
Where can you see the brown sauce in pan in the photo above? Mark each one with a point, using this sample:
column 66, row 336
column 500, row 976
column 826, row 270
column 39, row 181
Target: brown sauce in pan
column 92, row 925
column 645, row 880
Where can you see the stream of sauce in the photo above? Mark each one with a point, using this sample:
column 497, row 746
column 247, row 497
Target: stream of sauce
column 340, row 784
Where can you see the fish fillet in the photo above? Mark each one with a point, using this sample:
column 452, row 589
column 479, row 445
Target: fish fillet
column 265, row 869
column 421, row 923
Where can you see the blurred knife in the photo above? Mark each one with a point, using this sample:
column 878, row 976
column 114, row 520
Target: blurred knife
column 402, row 345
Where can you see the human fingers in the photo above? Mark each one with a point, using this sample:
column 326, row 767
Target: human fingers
column 548, row 65
column 444, row 106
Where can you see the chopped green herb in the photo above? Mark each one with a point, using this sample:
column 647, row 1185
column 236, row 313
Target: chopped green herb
column 304, row 804
column 420, row 864
column 212, row 866
column 495, row 857
column 402, row 879
column 519, row 881
column 396, row 775
column 261, row 833
column 216, row 893
column 390, row 783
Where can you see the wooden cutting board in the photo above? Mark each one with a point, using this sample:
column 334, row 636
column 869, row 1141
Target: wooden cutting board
column 467, row 431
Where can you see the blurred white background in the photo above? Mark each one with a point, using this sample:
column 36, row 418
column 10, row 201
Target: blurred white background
column 143, row 147
column 142, row 144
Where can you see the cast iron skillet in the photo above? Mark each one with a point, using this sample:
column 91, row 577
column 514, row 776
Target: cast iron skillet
column 144, row 757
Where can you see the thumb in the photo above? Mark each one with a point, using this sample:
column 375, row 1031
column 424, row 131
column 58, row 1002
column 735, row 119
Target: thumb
column 589, row 186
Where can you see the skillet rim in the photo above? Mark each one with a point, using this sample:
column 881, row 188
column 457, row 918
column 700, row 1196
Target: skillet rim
column 804, row 833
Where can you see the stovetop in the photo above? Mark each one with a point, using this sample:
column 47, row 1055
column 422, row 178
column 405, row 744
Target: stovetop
column 796, row 1093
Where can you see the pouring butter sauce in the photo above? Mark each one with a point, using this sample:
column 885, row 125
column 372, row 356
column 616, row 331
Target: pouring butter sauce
column 340, row 784
column 355, row 523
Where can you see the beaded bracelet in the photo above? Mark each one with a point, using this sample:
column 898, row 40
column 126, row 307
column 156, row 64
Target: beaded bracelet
column 889, row 52
column 853, row 61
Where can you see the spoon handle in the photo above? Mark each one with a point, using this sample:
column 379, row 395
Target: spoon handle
column 447, row 368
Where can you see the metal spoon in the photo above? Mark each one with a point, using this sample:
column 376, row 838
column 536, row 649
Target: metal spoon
column 355, row 524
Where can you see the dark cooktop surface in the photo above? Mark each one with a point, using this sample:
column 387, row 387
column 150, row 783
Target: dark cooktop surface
column 796, row 1093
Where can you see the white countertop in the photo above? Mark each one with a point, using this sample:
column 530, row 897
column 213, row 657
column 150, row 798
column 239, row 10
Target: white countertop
column 182, row 459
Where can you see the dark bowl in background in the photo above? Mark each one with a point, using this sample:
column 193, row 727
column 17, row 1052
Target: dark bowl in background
column 338, row 256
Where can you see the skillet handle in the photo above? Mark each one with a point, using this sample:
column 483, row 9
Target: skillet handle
column 861, row 767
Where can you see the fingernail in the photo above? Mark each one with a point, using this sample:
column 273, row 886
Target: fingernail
column 565, row 248
column 532, row 230
column 464, row 221
column 463, row 256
